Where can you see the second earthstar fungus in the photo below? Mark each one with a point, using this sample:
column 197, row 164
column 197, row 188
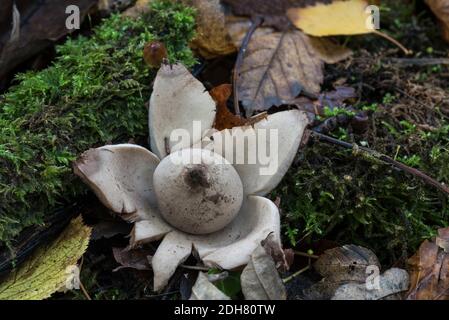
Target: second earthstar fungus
column 195, row 196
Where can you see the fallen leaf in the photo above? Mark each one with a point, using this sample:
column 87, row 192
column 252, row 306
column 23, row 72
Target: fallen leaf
column 50, row 267
column 441, row 9
column 224, row 119
column 260, row 279
column 391, row 282
column 212, row 39
column 337, row 18
column 138, row 259
column 139, row 8
column 429, row 270
column 282, row 258
column 339, row 266
column 278, row 66
column 27, row 27
column 203, row 289
column 346, row 263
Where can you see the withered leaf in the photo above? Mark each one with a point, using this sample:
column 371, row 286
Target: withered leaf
column 138, row 259
column 346, row 263
column 282, row 258
column 27, row 27
column 140, row 7
column 278, row 66
column 260, row 279
column 212, row 39
column 339, row 266
column 389, row 283
column 429, row 270
column 224, row 119
column 205, row 290
column 50, row 268
column 441, row 9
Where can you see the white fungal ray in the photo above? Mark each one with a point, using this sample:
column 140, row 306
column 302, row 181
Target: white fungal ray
column 146, row 231
column 232, row 246
column 178, row 100
column 173, row 250
column 267, row 149
column 122, row 178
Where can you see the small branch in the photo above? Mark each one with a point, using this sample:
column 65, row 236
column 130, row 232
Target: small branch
column 361, row 150
column 394, row 41
column 197, row 268
column 419, row 61
column 83, row 289
column 303, row 254
column 297, row 273
column 238, row 63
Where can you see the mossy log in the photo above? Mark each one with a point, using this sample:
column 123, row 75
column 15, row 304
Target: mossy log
column 94, row 93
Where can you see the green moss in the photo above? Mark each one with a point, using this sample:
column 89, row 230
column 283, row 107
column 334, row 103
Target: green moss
column 94, row 93
column 333, row 194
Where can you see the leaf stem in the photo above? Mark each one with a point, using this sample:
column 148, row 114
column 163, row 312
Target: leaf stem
column 394, row 41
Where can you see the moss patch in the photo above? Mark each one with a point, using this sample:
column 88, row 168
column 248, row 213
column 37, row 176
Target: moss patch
column 94, row 93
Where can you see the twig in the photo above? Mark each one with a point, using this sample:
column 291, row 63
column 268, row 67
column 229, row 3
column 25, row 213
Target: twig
column 197, row 268
column 394, row 41
column 304, row 254
column 238, row 63
column 83, row 289
column 297, row 273
column 419, row 61
column 362, row 150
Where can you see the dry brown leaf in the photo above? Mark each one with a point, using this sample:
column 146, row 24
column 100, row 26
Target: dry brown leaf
column 429, row 270
column 260, row 279
column 138, row 259
column 441, row 9
column 340, row 266
column 224, row 118
column 346, row 263
column 282, row 258
column 140, row 7
column 278, row 66
column 212, row 39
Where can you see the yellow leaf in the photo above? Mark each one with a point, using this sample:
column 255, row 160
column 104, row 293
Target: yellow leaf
column 47, row 270
column 337, row 18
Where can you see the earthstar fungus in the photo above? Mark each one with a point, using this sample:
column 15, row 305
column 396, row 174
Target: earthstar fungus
column 212, row 207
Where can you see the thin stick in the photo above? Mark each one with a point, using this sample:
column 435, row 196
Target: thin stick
column 297, row 273
column 83, row 289
column 197, row 268
column 303, row 254
column 419, row 61
column 238, row 63
column 384, row 158
column 394, row 41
